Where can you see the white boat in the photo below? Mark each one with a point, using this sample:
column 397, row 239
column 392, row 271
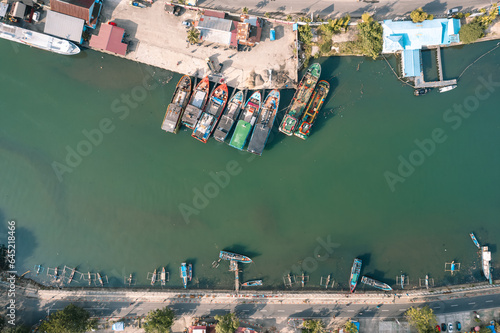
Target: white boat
column 38, row 40
column 486, row 259
column 447, row 88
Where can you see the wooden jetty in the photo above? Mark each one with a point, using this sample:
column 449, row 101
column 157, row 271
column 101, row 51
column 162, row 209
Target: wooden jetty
column 328, row 279
column 72, row 274
column 90, row 277
column 233, row 267
column 452, row 267
column 420, row 82
column 129, row 280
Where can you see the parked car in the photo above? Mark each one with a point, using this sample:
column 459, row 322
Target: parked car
column 36, row 16
column 186, row 23
column 459, row 326
column 443, row 327
column 453, row 11
column 438, row 329
column 450, row 327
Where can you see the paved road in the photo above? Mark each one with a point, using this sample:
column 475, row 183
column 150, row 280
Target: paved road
column 262, row 311
column 382, row 9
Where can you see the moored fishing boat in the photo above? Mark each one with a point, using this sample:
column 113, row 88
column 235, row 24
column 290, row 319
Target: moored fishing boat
column 190, row 272
column 376, row 284
column 473, row 237
column 72, row 275
column 229, row 117
column 315, row 104
column 101, row 282
column 153, row 278
column 213, row 111
column 163, row 276
column 486, row 260
column 56, row 271
column 184, row 275
column 196, row 103
column 403, row 278
column 264, row 123
column 252, row 283
column 355, row 270
column 447, row 88
column 247, row 120
column 299, row 102
column 234, row 256
column 175, row 109
column 38, row 40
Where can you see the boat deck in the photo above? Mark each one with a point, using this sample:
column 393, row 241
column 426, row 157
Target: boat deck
column 191, row 116
column 225, row 124
column 171, row 120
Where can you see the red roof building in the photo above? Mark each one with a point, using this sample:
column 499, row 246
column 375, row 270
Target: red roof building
column 109, row 39
column 87, row 10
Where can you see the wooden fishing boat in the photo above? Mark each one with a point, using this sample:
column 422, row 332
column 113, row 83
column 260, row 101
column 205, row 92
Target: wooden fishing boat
column 234, row 256
column 473, row 237
column 175, row 109
column 265, row 123
column 72, row 275
column 210, row 117
column 184, row 275
column 299, row 102
column 196, row 104
column 312, row 109
column 100, row 279
column 252, row 283
column 229, row 117
column 153, row 278
column 355, row 270
column 247, row 119
column 486, row 263
column 163, row 276
column 376, row 284
column 447, row 88
column 190, row 272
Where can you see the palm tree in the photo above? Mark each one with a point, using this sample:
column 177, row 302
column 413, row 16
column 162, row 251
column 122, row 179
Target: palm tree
column 193, row 36
column 289, row 17
column 267, row 15
column 244, row 10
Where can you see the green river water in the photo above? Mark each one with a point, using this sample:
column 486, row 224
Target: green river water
column 130, row 202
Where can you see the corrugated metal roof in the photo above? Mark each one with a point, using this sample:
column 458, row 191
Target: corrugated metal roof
column 64, row 26
column 19, row 10
column 406, row 35
column 75, row 8
column 215, row 23
column 412, row 65
column 215, row 36
column 109, row 39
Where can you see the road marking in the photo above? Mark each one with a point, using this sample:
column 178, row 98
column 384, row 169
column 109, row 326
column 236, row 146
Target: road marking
column 350, row 310
column 281, row 310
column 472, row 303
column 402, row 309
column 454, row 305
column 489, row 301
column 385, row 310
column 263, row 310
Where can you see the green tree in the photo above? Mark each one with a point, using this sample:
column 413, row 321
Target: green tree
column 418, row 15
column 193, row 36
column 71, row 319
column 471, row 32
column 159, row 320
column 267, row 15
column 227, row 323
column 289, row 17
column 314, row 326
column 349, row 327
column 244, row 10
column 16, row 329
column 366, row 17
column 370, row 38
column 423, row 319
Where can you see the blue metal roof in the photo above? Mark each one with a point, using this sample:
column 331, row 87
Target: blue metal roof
column 411, row 63
column 406, row 35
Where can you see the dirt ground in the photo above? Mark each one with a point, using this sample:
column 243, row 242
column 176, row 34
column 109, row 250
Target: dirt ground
column 158, row 38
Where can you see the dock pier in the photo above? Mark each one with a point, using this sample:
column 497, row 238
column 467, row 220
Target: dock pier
column 420, row 81
column 233, row 266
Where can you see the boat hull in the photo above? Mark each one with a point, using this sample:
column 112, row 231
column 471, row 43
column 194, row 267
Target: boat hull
column 355, row 270
column 210, row 117
column 225, row 255
column 172, row 120
column 246, row 122
column 229, row 117
column 253, row 283
column 312, row 110
column 196, row 104
column 299, row 102
column 375, row 283
column 264, row 123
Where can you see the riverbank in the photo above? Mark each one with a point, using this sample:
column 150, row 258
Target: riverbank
column 158, row 38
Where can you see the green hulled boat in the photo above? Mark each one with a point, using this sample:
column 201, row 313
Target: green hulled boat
column 300, row 99
column 315, row 104
column 246, row 121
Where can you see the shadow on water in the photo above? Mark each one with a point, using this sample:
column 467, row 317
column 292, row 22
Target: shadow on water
column 365, row 258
